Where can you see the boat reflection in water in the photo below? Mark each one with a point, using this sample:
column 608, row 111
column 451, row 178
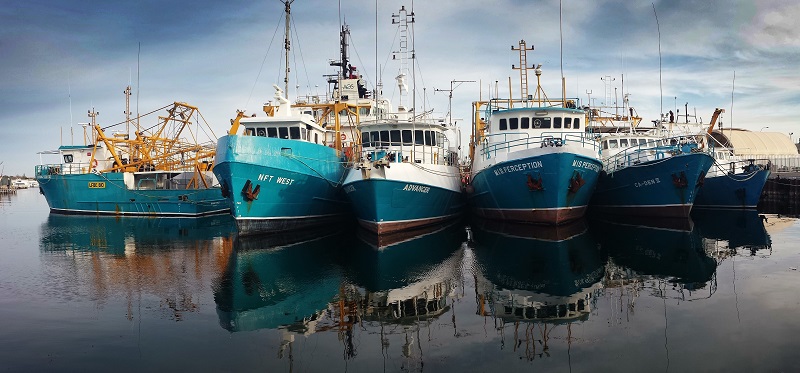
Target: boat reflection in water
column 104, row 257
column 281, row 281
column 532, row 279
column 398, row 284
column 126, row 235
column 726, row 233
column 664, row 256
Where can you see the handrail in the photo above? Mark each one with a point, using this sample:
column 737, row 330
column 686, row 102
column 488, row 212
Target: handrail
column 652, row 151
column 495, row 142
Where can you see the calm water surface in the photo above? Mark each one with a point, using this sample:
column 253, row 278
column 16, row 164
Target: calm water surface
column 719, row 293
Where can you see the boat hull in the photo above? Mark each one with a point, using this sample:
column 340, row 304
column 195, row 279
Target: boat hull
column 653, row 188
column 738, row 191
column 535, row 189
column 274, row 185
column 107, row 194
column 404, row 196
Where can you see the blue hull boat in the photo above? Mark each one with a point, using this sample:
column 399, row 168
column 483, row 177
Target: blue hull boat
column 156, row 172
column 653, row 178
column 729, row 190
column 545, row 189
column 108, row 194
column 275, row 184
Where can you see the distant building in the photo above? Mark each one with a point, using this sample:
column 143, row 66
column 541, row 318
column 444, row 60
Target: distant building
column 775, row 146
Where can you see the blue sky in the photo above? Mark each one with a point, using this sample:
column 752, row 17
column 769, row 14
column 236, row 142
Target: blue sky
column 224, row 56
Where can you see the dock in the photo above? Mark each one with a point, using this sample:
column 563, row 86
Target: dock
column 5, row 190
column 781, row 194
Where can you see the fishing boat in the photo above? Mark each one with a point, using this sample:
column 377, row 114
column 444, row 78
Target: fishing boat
column 649, row 174
column 164, row 170
column 532, row 160
column 284, row 171
column 407, row 172
column 732, row 182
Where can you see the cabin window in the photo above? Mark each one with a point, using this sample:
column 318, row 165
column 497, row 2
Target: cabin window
column 283, row 132
column 428, row 138
column 623, row 143
column 384, row 138
column 418, row 138
column 250, row 131
column 364, row 111
column 557, row 122
column 576, row 124
column 394, row 136
column 294, row 132
column 525, row 123
column 513, row 123
column 272, row 132
column 375, row 138
column 407, row 138
column 260, row 132
column 605, row 144
column 567, row 122
column 634, row 142
column 541, row 123
column 316, row 138
column 365, row 139
column 67, row 158
column 503, row 125
column 612, row 144
column 304, row 134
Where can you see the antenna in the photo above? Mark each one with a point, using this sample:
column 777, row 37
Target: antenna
column 69, row 92
column 733, row 88
column 450, row 96
column 138, row 89
column 660, row 87
column 561, row 43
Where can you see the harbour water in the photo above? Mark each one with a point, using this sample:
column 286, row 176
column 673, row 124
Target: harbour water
column 719, row 293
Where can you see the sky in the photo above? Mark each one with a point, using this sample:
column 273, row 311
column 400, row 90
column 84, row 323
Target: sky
column 61, row 58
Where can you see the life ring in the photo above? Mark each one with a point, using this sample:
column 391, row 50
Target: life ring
column 343, row 137
column 94, row 163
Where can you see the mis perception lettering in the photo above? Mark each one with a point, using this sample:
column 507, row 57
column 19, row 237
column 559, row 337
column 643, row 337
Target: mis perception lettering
column 518, row 167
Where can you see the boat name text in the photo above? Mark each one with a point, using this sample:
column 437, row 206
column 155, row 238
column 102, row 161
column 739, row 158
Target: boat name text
column 279, row 180
column 416, row 188
column 97, row 184
column 649, row 182
column 517, row 167
column 585, row 165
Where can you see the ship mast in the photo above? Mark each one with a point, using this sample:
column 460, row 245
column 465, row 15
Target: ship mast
column 403, row 19
column 287, row 45
column 127, row 93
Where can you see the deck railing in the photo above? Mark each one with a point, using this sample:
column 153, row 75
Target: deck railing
column 515, row 141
